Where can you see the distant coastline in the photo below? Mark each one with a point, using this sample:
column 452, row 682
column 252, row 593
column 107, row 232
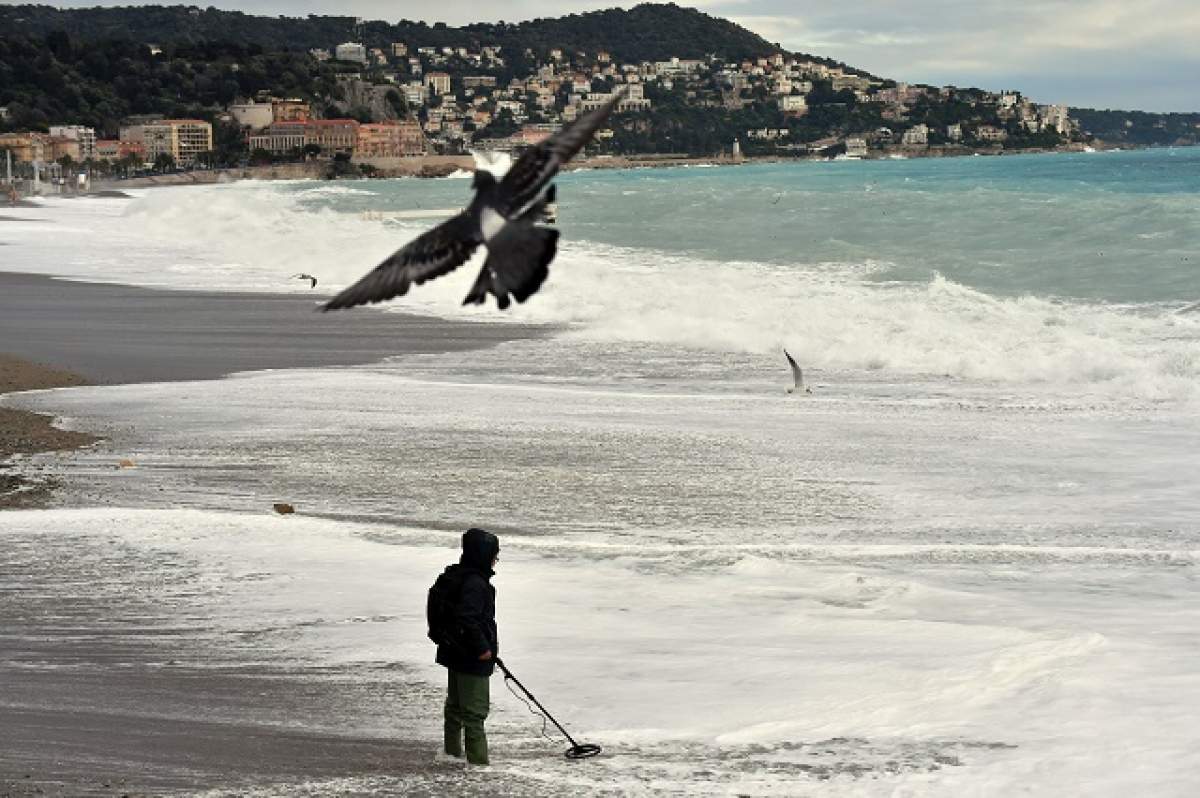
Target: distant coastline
column 436, row 166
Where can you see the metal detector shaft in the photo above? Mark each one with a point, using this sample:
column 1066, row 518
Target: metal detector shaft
column 508, row 674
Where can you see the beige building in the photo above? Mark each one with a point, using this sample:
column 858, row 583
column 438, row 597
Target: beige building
column 85, row 136
column 990, row 133
column 332, row 135
column 290, row 111
column 793, row 104
column 27, row 147
column 63, row 147
column 115, row 149
column 182, row 139
column 916, row 136
column 280, row 138
column 390, row 140
column 438, row 82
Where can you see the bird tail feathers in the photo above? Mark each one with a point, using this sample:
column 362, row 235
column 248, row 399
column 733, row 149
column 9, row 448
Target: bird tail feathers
column 517, row 264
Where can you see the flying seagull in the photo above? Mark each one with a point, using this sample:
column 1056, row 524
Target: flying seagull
column 309, row 277
column 797, row 375
column 503, row 216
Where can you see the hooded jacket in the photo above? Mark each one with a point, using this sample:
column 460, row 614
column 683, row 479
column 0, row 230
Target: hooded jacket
column 476, row 612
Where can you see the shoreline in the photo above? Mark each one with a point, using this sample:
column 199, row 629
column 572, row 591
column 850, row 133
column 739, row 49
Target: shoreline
column 23, row 432
column 442, row 166
column 112, row 334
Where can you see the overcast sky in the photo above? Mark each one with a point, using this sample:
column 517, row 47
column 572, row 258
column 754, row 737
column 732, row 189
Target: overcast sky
column 1099, row 53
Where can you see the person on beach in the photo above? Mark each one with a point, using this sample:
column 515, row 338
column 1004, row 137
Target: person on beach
column 469, row 646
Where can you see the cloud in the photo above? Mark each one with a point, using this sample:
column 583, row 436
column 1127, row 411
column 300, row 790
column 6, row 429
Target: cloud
column 1099, row 52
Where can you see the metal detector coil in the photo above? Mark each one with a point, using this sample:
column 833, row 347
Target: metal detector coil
column 582, row 751
column 577, row 750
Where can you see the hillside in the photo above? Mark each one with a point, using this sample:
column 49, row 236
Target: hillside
column 697, row 84
column 645, row 32
column 1139, row 128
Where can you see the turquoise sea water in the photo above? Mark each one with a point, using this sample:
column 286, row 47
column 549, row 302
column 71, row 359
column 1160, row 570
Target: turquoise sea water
column 1113, row 227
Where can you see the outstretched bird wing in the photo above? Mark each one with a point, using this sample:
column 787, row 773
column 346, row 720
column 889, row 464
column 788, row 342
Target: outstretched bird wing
column 439, row 251
column 527, row 177
column 797, row 374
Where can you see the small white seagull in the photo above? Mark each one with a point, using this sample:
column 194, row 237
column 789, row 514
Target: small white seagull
column 797, row 375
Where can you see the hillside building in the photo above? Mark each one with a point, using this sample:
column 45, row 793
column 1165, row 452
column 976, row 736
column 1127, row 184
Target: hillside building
column 390, row 140
column 438, row 82
column 253, row 115
column 916, row 136
column 351, row 51
column 182, row 139
column 85, row 137
column 27, row 147
column 290, row 111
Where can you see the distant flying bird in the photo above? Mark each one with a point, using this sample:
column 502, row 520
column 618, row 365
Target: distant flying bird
column 797, row 375
column 309, row 277
column 503, row 216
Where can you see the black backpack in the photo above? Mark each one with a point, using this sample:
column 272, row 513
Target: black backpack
column 441, row 606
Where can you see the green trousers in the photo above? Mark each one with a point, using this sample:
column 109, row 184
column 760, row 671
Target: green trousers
column 467, row 703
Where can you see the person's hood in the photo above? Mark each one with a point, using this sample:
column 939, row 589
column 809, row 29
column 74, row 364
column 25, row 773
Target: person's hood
column 480, row 548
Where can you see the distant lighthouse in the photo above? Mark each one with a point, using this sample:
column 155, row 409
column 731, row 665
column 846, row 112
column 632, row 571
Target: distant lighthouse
column 737, row 149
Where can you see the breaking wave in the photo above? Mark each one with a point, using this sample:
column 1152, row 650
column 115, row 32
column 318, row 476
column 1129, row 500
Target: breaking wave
column 835, row 315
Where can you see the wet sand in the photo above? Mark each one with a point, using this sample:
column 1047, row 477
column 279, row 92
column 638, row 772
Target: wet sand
column 98, row 697
column 23, row 432
column 113, row 334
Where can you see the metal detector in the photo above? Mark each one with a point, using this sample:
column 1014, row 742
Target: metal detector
column 577, row 750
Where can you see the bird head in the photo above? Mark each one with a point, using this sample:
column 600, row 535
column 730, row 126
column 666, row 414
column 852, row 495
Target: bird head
column 483, row 179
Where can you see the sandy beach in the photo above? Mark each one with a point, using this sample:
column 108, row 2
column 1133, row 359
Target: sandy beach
column 99, row 699
column 114, row 334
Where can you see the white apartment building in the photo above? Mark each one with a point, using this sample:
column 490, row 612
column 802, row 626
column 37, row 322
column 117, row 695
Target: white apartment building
column 793, row 104
column 414, row 93
column 916, row 136
column 255, row 116
column 438, row 82
column 351, row 51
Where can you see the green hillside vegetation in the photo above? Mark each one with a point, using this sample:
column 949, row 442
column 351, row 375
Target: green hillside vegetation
column 56, row 80
column 645, row 32
column 96, row 66
column 1139, row 128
